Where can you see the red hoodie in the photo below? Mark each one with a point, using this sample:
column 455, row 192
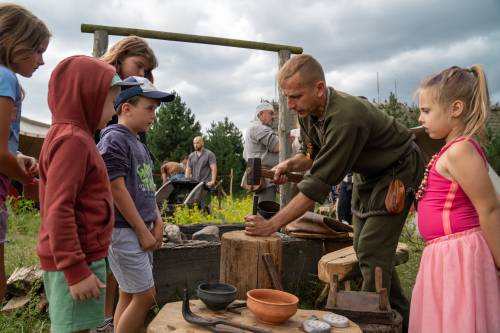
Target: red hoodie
column 75, row 195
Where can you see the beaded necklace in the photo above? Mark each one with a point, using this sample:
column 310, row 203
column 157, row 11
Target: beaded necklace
column 423, row 184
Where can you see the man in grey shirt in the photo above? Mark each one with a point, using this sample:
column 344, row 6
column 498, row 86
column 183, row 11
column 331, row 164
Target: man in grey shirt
column 201, row 165
column 261, row 141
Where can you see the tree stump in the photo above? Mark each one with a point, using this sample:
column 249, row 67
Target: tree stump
column 241, row 262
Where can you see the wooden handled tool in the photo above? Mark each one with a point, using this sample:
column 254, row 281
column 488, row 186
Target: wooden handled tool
column 255, row 171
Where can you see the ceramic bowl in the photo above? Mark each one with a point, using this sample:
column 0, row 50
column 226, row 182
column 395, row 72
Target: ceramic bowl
column 268, row 209
column 216, row 296
column 271, row 306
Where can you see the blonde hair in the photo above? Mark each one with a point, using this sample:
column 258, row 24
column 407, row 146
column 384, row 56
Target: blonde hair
column 131, row 46
column 468, row 85
column 309, row 69
column 21, row 34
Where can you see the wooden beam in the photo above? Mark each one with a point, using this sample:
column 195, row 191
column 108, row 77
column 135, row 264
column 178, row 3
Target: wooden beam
column 178, row 37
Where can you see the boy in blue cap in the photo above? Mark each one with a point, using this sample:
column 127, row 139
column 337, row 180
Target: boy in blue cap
column 138, row 225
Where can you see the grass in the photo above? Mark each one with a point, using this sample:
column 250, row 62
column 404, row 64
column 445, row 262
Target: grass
column 408, row 271
column 23, row 224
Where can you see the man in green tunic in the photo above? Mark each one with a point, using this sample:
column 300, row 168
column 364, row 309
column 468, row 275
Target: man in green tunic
column 340, row 134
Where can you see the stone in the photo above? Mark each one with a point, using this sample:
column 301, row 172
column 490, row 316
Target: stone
column 16, row 303
column 209, row 233
column 173, row 233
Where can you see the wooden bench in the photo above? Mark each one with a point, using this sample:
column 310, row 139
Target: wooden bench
column 344, row 263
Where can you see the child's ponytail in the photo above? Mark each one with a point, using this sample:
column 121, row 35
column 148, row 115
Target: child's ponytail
column 479, row 105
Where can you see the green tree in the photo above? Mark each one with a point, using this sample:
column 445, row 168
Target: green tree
column 171, row 136
column 225, row 140
column 493, row 149
column 401, row 112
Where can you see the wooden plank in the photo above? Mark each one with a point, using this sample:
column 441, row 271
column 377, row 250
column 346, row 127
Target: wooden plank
column 187, row 38
column 271, row 269
column 360, row 306
column 170, row 319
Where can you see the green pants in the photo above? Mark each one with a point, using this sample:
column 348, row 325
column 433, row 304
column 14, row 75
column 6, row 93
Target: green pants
column 375, row 242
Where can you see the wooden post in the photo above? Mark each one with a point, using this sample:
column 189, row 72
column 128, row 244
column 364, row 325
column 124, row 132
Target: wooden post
column 285, row 119
column 100, row 43
column 241, row 262
column 231, row 183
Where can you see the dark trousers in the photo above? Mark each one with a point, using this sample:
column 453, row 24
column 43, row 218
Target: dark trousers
column 344, row 202
column 375, row 242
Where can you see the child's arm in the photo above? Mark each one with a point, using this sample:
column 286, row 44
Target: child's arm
column 126, row 207
column 158, row 229
column 469, row 170
column 9, row 165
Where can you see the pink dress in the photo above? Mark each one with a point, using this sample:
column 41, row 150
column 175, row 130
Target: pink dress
column 458, row 286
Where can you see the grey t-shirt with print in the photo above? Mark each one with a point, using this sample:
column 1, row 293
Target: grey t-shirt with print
column 125, row 156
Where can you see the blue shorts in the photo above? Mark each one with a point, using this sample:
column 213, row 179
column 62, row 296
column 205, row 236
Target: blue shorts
column 131, row 266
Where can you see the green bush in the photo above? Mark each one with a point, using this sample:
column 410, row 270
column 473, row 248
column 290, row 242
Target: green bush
column 232, row 210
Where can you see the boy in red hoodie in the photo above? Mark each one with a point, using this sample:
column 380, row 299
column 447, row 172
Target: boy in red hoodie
column 75, row 195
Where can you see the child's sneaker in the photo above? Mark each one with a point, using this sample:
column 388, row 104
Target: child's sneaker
column 106, row 327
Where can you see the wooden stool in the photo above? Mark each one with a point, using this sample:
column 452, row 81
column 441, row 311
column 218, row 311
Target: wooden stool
column 344, row 263
column 242, row 264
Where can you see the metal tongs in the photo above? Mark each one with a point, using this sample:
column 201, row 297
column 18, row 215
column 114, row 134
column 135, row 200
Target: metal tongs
column 211, row 324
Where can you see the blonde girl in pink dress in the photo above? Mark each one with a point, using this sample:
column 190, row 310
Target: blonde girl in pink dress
column 458, row 283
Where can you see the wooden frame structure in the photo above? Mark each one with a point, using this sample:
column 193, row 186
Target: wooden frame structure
column 285, row 121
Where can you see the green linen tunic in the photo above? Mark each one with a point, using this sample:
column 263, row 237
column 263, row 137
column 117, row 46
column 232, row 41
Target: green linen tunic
column 353, row 135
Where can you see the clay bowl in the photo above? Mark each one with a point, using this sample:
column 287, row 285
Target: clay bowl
column 216, row 296
column 271, row 306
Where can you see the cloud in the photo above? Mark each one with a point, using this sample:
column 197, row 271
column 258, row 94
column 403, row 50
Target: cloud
column 404, row 41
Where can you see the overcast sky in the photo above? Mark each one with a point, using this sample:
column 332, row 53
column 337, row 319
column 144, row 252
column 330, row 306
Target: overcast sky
column 404, row 41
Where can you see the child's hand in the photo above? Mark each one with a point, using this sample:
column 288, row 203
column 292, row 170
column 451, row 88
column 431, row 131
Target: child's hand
column 28, row 164
column 147, row 240
column 158, row 234
column 87, row 288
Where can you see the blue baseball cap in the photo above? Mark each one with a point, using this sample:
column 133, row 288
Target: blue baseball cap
column 140, row 86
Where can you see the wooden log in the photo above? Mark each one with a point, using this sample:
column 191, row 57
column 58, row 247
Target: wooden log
column 100, row 43
column 285, row 119
column 241, row 261
column 177, row 37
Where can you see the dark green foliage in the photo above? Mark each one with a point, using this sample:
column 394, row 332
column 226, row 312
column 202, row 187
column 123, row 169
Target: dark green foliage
column 225, row 140
column 408, row 116
column 171, row 136
column 493, row 149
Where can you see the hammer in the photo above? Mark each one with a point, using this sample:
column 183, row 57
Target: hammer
column 255, row 171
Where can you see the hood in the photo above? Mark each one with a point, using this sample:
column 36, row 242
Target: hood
column 115, row 128
column 78, row 88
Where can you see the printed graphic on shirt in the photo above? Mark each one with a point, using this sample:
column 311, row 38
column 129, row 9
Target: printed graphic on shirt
column 145, row 174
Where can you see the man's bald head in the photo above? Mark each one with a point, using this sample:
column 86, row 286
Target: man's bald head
column 198, row 143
